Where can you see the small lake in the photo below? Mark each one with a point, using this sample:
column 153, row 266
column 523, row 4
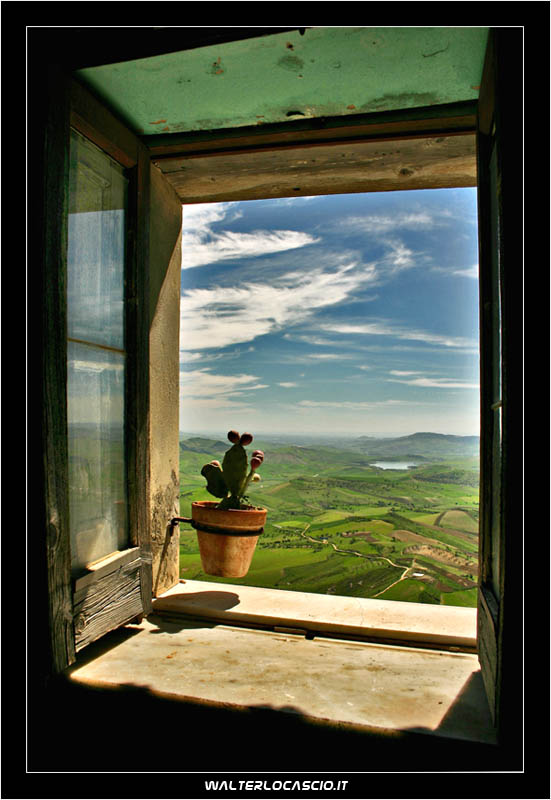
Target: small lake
column 393, row 464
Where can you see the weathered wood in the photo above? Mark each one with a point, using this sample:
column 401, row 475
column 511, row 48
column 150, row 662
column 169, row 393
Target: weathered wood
column 487, row 627
column 372, row 166
column 431, row 121
column 499, row 145
column 98, row 570
column 52, row 276
column 97, row 123
column 111, row 600
column 137, row 382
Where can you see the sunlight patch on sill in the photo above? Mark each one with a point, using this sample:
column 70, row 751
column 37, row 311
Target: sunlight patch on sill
column 364, row 619
column 372, row 687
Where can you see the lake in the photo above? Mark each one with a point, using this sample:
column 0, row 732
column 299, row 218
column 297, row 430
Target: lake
column 393, row 464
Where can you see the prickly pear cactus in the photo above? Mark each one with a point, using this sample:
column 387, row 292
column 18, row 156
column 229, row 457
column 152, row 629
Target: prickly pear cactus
column 216, row 485
column 234, row 467
column 229, row 480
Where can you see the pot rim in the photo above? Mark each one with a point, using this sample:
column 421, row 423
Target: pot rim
column 212, row 505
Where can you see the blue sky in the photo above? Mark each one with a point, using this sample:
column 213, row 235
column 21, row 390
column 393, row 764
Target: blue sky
column 346, row 314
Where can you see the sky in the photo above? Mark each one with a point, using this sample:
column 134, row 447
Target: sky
column 342, row 315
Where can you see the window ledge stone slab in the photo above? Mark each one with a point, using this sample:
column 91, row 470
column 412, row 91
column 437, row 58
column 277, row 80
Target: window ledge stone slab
column 372, row 687
column 367, row 619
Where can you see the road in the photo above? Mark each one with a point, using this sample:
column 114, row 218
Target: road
column 362, row 555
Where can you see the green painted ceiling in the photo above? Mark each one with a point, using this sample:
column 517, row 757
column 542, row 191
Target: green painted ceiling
column 325, row 72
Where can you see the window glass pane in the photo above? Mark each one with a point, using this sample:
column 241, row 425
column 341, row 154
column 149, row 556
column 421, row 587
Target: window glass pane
column 95, row 281
column 97, row 485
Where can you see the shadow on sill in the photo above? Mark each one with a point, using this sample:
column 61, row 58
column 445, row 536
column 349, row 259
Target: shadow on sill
column 209, row 737
column 218, row 738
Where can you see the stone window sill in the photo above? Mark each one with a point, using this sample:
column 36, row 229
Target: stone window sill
column 288, row 663
column 363, row 619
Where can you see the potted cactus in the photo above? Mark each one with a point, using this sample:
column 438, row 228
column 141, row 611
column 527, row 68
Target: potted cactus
column 228, row 529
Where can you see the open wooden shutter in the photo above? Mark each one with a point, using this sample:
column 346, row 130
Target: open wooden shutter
column 499, row 157
column 87, row 601
column 116, row 587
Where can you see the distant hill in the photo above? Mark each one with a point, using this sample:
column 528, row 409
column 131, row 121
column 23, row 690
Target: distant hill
column 200, row 444
column 418, row 445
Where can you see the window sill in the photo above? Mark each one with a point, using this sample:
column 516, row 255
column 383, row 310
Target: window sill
column 377, row 689
column 358, row 618
column 374, row 687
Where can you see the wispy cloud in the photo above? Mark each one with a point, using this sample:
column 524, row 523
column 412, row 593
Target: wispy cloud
column 384, row 329
column 222, row 316
column 438, row 383
column 379, row 224
column 204, row 383
column 353, row 405
column 470, row 272
column 287, row 384
column 201, row 245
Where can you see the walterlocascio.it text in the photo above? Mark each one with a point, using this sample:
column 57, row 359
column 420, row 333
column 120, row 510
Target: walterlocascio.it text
column 275, row 786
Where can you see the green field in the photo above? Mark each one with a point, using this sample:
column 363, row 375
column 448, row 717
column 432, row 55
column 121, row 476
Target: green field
column 337, row 525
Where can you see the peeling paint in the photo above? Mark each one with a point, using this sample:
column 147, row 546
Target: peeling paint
column 436, row 52
column 292, row 63
column 216, row 67
column 405, row 100
column 395, row 68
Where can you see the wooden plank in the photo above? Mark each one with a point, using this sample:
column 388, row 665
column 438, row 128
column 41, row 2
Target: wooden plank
column 52, row 278
column 137, row 383
column 104, row 567
column 500, row 258
column 433, row 121
column 487, row 624
column 439, row 162
column 97, row 123
column 112, row 600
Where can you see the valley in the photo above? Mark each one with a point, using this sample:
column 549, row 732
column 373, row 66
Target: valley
column 338, row 524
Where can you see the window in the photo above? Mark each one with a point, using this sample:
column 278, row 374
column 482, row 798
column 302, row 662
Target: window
column 499, row 85
column 324, row 324
column 96, row 354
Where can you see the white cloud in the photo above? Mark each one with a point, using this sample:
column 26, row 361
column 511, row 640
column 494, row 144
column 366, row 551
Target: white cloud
column 223, row 316
column 470, row 272
column 202, row 383
column 200, row 216
column 439, row 383
column 287, row 384
column 379, row 224
column 201, row 245
column 399, row 256
column 384, row 329
column 352, row 405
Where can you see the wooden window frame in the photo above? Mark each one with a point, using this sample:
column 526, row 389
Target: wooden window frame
column 69, row 104
column 498, row 633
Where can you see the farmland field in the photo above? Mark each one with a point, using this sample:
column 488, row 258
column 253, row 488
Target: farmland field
column 339, row 525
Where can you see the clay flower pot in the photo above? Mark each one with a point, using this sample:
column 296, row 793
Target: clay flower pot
column 227, row 537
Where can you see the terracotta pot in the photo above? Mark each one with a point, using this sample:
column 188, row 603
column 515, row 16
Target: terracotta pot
column 227, row 538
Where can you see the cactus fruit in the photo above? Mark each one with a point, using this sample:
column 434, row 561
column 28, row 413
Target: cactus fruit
column 229, row 480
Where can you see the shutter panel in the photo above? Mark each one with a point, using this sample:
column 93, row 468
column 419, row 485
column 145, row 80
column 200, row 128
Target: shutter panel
column 499, row 162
